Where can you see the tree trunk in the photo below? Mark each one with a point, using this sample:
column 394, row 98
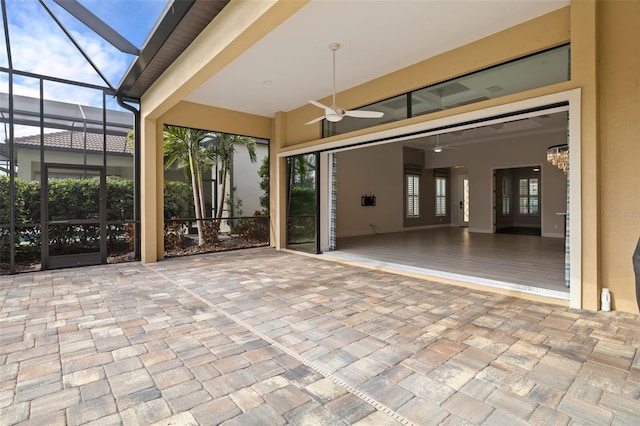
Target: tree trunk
column 196, row 199
column 224, row 189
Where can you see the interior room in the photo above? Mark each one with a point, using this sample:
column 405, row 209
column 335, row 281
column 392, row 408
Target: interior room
column 487, row 208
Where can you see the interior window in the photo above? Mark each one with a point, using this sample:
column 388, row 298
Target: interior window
column 528, row 190
column 413, row 196
column 441, row 196
column 506, row 196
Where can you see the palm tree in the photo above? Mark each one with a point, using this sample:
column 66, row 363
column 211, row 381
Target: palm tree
column 224, row 149
column 193, row 150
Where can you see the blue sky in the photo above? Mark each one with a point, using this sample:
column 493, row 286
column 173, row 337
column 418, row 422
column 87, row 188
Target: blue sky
column 39, row 46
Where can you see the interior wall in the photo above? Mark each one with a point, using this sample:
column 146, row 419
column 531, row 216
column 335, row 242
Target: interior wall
column 375, row 170
column 481, row 159
column 415, row 157
column 372, row 170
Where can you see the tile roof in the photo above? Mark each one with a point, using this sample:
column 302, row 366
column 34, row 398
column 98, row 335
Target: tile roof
column 75, row 141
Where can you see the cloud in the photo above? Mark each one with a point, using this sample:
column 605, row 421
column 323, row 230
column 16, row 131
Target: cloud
column 39, row 46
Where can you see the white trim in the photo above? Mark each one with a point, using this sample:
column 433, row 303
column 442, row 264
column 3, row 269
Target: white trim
column 573, row 97
column 575, row 198
column 424, row 128
column 278, row 198
column 325, row 200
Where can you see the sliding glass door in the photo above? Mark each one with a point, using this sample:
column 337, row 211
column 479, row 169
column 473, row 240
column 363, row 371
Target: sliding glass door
column 302, row 203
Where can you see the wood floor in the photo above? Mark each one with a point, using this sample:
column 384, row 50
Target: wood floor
column 523, row 261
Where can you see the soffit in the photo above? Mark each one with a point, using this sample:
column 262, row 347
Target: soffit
column 176, row 30
column 292, row 64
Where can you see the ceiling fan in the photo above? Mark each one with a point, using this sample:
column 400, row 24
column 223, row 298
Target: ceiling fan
column 334, row 113
column 439, row 148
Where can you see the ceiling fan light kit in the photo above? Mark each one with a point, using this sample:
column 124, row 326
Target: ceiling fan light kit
column 334, row 113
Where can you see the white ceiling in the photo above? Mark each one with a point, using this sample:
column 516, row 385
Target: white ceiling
column 292, row 64
column 542, row 125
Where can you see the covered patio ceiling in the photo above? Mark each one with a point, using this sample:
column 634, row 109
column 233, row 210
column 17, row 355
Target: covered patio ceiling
column 292, row 64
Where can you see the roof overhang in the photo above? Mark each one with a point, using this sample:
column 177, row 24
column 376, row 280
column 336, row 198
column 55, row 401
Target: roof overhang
column 180, row 23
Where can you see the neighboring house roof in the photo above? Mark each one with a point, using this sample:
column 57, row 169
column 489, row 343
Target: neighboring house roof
column 64, row 115
column 181, row 22
column 75, row 141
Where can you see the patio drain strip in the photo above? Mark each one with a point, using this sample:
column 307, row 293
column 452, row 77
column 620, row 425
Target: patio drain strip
column 352, row 390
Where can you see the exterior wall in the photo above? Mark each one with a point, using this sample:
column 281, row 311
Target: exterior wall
column 547, row 31
column 604, row 43
column 239, row 25
column 246, row 180
column 29, row 162
column 618, row 155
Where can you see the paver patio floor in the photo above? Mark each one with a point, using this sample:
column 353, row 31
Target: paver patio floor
column 260, row 337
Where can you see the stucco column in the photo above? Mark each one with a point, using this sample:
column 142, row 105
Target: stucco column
column 278, row 183
column 151, row 193
column 584, row 74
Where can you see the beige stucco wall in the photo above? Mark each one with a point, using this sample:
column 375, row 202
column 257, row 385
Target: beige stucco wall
column 619, row 146
column 593, row 28
column 604, row 54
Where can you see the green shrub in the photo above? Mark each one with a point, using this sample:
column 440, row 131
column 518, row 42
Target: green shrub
column 178, row 200
column 79, row 199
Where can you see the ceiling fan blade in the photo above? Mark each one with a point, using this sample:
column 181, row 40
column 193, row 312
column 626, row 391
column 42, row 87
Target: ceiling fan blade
column 364, row 114
column 319, row 105
column 315, row 120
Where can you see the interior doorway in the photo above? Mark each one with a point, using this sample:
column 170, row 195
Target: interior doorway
column 517, row 201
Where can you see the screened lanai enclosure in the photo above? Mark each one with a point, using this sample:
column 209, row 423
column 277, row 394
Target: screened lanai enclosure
column 68, row 173
column 70, row 85
column 67, row 187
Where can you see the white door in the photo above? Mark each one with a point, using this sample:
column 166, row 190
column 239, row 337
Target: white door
column 463, row 200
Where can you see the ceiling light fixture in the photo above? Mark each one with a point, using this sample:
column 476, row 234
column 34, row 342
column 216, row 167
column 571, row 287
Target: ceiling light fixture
column 558, row 155
column 437, row 148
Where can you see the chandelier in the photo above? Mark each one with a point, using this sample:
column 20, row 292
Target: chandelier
column 558, row 155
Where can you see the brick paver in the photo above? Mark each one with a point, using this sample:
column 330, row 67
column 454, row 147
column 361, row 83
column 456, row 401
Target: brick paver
column 266, row 337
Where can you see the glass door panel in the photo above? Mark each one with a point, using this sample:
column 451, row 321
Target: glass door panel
column 302, row 203
column 74, row 215
column 464, row 201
